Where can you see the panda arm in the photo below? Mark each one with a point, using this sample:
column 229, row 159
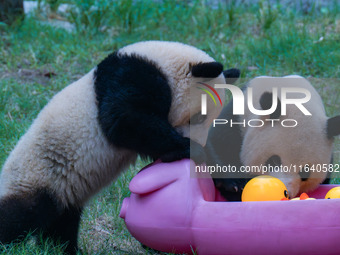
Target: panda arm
column 147, row 134
column 134, row 100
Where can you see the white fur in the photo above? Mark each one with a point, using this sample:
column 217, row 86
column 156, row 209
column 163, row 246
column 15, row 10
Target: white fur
column 305, row 144
column 65, row 150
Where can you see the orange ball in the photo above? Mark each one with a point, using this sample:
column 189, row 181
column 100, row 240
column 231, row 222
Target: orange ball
column 264, row 188
column 333, row 193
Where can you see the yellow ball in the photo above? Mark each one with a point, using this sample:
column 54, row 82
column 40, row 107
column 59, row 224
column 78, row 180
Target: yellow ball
column 264, row 188
column 333, row 193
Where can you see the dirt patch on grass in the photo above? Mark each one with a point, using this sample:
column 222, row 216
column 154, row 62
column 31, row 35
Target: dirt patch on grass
column 25, row 75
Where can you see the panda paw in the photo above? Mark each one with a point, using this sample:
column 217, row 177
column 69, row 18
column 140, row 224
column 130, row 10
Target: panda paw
column 231, row 189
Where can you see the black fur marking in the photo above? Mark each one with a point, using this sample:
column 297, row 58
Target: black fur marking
column 207, row 70
column 227, row 140
column 304, row 174
column 266, row 102
column 231, row 75
column 20, row 215
column 333, row 127
column 38, row 212
column 134, row 100
column 274, row 160
column 64, row 229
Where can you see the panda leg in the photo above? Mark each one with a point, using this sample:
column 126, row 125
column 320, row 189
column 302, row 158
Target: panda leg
column 65, row 229
column 20, row 214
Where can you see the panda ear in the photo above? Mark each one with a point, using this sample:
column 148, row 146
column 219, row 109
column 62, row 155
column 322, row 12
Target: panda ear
column 266, row 102
column 207, row 70
column 333, row 126
column 231, row 75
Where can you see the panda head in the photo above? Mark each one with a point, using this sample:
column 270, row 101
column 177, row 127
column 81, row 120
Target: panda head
column 185, row 68
column 296, row 148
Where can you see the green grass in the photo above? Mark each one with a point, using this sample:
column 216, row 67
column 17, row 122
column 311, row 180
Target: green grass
column 260, row 39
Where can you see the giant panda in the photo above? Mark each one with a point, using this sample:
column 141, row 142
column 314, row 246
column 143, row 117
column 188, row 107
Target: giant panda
column 308, row 143
column 135, row 102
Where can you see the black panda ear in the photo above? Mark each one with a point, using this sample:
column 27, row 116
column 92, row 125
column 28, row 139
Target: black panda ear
column 231, row 75
column 266, row 102
column 333, row 127
column 207, row 70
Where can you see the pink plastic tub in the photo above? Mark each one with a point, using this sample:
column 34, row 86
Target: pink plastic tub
column 172, row 212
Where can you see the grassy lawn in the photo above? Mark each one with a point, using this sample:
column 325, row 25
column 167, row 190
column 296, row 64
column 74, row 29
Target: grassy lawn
column 38, row 59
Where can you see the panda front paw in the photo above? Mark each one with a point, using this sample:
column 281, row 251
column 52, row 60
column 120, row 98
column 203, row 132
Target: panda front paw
column 231, row 189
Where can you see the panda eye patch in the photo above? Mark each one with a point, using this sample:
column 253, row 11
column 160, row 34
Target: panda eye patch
column 198, row 118
column 274, row 160
column 305, row 173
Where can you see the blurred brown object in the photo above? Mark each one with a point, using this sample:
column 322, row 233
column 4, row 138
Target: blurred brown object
column 11, row 11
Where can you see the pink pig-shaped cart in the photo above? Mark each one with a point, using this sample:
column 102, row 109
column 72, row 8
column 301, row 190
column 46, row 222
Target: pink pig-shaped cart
column 172, row 211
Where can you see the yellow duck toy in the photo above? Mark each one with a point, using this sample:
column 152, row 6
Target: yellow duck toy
column 333, row 193
column 264, row 188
